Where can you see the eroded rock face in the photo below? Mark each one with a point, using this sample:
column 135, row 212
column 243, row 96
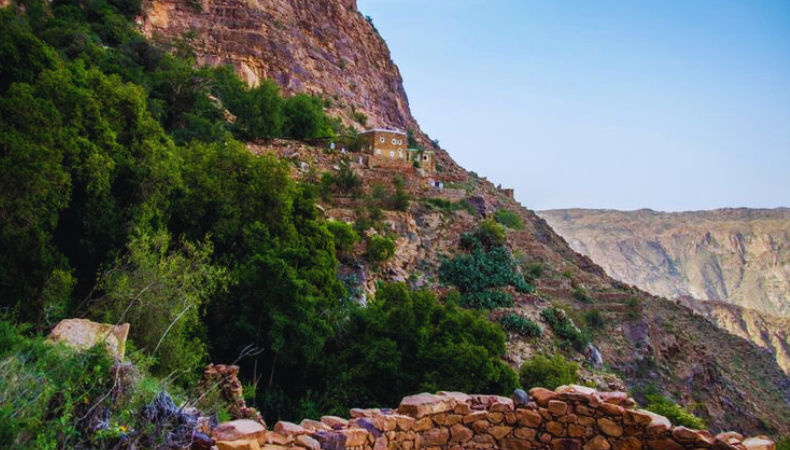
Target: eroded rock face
column 737, row 256
column 83, row 334
column 322, row 47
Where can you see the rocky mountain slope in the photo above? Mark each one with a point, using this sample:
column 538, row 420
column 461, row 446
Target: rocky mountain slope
column 736, row 256
column 326, row 47
column 769, row 332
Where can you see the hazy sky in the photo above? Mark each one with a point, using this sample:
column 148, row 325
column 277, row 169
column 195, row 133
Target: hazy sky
column 670, row 105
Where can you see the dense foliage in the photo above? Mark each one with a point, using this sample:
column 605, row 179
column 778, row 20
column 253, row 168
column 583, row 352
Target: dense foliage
column 408, row 342
column 563, row 328
column 488, row 267
column 509, row 219
column 126, row 198
column 678, row 415
column 525, row 327
column 549, row 373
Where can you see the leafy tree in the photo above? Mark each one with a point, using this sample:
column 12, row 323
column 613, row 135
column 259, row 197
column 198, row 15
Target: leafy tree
column 380, row 248
column 408, row 342
column 304, row 118
column 345, row 236
column 549, row 373
column 260, row 112
column 160, row 291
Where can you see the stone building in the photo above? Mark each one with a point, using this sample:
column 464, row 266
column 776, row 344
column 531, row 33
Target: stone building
column 426, row 160
column 386, row 147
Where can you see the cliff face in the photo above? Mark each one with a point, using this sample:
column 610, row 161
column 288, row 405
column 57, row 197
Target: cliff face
column 769, row 332
column 736, row 256
column 327, row 48
column 321, row 47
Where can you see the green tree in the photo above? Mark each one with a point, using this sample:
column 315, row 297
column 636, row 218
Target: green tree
column 305, row 118
column 549, row 373
column 160, row 291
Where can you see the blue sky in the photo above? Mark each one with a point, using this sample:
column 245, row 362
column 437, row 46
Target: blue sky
column 670, row 105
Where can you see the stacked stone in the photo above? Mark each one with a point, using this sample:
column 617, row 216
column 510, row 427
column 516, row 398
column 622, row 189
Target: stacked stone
column 225, row 379
column 570, row 418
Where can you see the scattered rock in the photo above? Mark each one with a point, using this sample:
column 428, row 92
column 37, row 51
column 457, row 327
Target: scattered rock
column 83, row 334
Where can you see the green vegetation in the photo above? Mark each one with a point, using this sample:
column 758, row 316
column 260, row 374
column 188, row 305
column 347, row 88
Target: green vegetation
column 581, row 295
column 380, row 248
column 517, row 324
column 487, row 267
column 395, row 346
column 532, row 271
column 659, row 404
column 127, row 198
column 549, row 373
column 449, row 206
column 345, row 235
column 594, row 319
column 564, row 329
column 509, row 219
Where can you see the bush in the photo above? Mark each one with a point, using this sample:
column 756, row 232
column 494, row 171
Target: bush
column 532, row 271
column 347, row 180
column 517, row 324
column 581, row 295
column 509, row 219
column 479, row 274
column 448, row 206
column 490, row 234
column 159, row 291
column 380, row 248
column 594, row 319
column 345, row 236
column 562, row 326
column 549, row 373
column 657, row 403
column 407, row 341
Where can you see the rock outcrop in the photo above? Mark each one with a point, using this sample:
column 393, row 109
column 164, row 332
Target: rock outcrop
column 321, row 47
column 83, row 334
column 570, row 418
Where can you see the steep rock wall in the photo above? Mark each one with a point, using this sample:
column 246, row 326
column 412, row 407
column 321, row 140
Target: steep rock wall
column 321, row 47
column 737, row 256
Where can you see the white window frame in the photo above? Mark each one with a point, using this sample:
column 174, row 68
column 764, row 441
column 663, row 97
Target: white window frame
column 382, row 140
column 378, row 151
column 392, row 153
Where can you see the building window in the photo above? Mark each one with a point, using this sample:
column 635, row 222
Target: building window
column 381, row 140
column 394, row 141
column 378, row 151
column 392, row 154
column 400, row 142
column 400, row 153
column 425, row 157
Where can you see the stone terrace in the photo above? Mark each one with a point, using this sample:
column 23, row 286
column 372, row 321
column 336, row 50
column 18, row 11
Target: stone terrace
column 570, row 418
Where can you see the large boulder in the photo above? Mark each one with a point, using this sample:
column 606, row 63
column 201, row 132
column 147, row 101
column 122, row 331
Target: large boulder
column 239, row 430
column 83, row 334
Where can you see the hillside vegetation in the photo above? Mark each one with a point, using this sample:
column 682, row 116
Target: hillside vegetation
column 141, row 187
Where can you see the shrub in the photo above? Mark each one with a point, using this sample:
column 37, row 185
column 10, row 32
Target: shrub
column 562, row 326
column 581, row 295
column 344, row 234
column 549, row 373
column 401, row 199
column 490, row 233
column 346, row 179
column 509, row 219
column 517, row 324
column 380, row 248
column 594, row 319
column 532, row 271
column 359, row 117
column 449, row 206
column 478, row 274
column 160, row 291
column 634, row 308
column 659, row 404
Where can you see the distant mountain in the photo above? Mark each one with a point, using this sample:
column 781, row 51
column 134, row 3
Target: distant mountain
column 736, row 256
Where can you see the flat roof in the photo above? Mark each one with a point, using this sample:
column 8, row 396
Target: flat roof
column 384, row 130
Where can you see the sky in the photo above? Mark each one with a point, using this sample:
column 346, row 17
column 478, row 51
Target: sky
column 672, row 105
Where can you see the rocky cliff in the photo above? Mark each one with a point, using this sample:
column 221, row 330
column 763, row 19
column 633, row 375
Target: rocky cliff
column 327, row 48
column 736, row 256
column 321, row 47
column 769, row 332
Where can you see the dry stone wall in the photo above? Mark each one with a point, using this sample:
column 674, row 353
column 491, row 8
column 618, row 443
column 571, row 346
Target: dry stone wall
column 570, row 418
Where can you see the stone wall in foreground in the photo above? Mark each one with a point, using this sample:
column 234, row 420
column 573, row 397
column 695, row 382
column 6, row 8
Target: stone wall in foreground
column 570, row 418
